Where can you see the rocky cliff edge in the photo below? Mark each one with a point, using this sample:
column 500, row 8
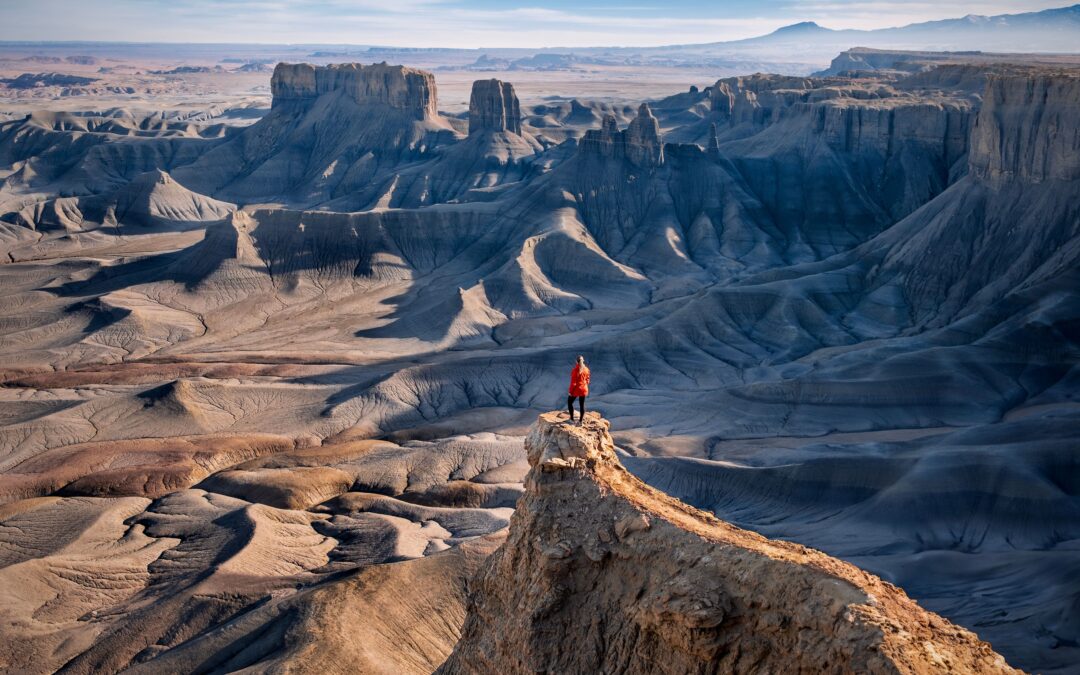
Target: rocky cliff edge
column 602, row 573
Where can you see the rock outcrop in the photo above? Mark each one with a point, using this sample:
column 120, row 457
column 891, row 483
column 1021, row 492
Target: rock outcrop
column 494, row 106
column 640, row 143
column 643, row 145
column 1028, row 127
column 410, row 90
column 602, row 573
column 336, row 131
column 820, row 152
column 864, row 60
column 758, row 99
column 154, row 198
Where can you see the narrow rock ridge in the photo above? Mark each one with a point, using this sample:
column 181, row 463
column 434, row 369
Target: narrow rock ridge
column 640, row 143
column 407, row 89
column 493, row 106
column 602, row 573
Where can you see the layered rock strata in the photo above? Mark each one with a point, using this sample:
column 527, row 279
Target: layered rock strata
column 640, row 143
column 493, row 106
column 602, row 573
column 759, row 99
column 407, row 89
column 1028, row 128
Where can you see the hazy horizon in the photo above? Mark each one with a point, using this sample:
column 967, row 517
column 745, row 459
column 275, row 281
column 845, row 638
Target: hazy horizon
column 459, row 23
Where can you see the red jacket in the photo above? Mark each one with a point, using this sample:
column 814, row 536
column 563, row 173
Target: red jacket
column 579, row 381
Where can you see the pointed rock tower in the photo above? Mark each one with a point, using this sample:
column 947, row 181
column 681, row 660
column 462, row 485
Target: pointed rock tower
column 712, row 147
column 640, row 143
column 643, row 145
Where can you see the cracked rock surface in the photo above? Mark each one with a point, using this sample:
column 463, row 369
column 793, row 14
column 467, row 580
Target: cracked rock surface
column 601, row 573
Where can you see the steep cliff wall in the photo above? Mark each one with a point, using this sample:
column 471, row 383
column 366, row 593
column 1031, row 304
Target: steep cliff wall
column 851, row 117
column 494, row 106
column 837, row 161
column 1028, row 128
column 407, row 89
column 1013, row 223
column 865, row 59
column 601, row 573
column 640, row 143
column 333, row 131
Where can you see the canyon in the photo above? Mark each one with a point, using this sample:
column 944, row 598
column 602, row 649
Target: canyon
column 271, row 382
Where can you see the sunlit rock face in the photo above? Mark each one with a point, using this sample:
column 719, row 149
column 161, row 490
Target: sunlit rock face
column 642, row 583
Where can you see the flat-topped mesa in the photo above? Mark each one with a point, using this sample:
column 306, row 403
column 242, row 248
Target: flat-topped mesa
column 1028, row 128
column 409, row 90
column 601, row 573
column 493, row 106
column 640, row 143
column 757, row 99
column 863, row 59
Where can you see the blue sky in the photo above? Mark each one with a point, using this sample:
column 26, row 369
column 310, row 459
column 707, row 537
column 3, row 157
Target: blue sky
column 461, row 23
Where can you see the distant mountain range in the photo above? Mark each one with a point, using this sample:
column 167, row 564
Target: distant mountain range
column 798, row 49
column 1051, row 30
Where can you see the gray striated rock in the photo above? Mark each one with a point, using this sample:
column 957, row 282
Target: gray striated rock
column 1029, row 127
column 333, row 131
column 154, row 198
column 407, row 89
column 640, row 143
column 824, row 152
column 643, row 145
column 758, row 99
column 712, row 146
column 494, row 106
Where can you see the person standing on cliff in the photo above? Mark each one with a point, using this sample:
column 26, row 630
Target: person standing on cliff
column 579, row 388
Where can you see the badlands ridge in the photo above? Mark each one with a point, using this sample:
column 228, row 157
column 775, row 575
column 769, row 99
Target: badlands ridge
column 639, row 582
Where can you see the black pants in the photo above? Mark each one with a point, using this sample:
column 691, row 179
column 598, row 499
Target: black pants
column 570, row 405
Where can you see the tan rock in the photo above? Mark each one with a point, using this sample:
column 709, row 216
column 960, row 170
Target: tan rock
column 677, row 590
